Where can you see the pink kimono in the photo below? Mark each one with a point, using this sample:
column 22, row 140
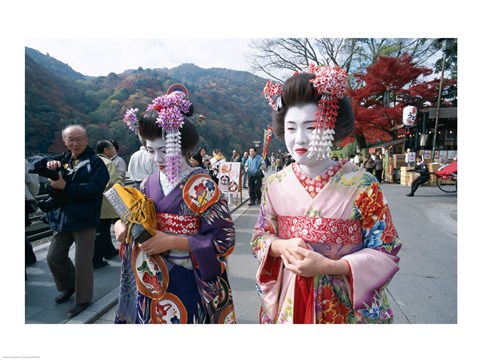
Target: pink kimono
column 341, row 214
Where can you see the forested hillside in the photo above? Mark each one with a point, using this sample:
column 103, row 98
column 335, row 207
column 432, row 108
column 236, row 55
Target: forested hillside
column 56, row 95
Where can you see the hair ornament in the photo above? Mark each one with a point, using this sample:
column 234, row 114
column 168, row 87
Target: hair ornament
column 178, row 87
column 269, row 91
column 331, row 85
column 130, row 119
column 171, row 108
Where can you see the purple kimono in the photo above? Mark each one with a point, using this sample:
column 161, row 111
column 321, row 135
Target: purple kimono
column 179, row 287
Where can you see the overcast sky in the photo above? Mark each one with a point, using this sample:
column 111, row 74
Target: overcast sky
column 100, row 56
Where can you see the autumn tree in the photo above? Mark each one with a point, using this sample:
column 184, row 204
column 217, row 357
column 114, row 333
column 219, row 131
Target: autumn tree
column 380, row 94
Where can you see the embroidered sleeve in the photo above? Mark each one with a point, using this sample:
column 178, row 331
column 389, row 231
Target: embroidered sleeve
column 216, row 238
column 270, row 271
column 200, row 192
column 266, row 228
column 373, row 267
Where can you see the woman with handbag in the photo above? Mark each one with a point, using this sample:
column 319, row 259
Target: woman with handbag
column 179, row 275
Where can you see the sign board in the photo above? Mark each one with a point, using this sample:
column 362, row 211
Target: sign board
column 229, row 177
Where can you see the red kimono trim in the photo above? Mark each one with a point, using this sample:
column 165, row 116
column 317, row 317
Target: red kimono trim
column 313, row 186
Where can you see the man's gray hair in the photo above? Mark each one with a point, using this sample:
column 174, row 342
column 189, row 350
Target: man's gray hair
column 71, row 127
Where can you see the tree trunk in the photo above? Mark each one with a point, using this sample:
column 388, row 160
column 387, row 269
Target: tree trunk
column 361, row 144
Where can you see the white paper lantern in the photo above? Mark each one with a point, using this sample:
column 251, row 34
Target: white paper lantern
column 409, row 115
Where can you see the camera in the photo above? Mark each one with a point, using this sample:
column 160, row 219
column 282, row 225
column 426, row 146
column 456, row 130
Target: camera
column 56, row 197
column 48, row 173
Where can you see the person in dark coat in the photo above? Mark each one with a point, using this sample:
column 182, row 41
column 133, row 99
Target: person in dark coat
column 378, row 167
column 422, row 169
column 82, row 177
column 368, row 164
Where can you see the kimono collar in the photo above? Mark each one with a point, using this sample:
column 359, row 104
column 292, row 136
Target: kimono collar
column 314, row 185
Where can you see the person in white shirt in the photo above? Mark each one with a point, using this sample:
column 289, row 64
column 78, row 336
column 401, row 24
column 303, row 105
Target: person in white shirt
column 140, row 166
column 356, row 159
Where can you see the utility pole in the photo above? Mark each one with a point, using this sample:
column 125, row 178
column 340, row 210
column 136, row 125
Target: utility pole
column 444, row 50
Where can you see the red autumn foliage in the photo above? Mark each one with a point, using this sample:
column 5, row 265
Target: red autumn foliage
column 401, row 79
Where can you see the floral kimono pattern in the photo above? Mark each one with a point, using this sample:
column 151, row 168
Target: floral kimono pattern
column 179, row 287
column 341, row 214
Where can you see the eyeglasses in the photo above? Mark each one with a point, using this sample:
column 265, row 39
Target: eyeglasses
column 70, row 140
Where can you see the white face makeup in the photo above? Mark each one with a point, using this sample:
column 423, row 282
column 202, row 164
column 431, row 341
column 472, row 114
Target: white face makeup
column 299, row 132
column 157, row 149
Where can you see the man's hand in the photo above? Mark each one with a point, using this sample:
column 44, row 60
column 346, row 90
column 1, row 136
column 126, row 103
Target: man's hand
column 58, row 184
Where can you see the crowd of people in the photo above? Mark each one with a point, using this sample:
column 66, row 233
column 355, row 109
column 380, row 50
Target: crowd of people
column 174, row 269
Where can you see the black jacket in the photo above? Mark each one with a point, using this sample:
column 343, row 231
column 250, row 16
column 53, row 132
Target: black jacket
column 83, row 190
column 422, row 169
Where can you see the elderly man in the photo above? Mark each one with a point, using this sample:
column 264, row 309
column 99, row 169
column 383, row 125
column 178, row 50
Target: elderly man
column 82, row 177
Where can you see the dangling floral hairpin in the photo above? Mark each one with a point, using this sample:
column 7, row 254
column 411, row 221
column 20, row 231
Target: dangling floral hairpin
column 270, row 90
column 171, row 108
column 130, row 119
column 331, row 84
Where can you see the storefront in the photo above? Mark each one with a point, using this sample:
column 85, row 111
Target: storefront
column 408, row 141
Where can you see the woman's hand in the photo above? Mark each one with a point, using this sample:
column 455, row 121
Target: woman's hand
column 120, row 231
column 306, row 262
column 162, row 242
column 278, row 247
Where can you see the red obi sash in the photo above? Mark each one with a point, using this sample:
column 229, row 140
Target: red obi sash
column 332, row 238
column 178, row 224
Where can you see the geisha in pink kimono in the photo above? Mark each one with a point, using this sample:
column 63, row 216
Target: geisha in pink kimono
column 324, row 238
column 179, row 275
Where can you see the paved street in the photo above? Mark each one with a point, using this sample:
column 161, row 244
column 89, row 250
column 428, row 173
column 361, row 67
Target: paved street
column 424, row 291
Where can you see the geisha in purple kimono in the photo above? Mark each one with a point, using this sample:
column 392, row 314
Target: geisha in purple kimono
column 179, row 275
column 324, row 238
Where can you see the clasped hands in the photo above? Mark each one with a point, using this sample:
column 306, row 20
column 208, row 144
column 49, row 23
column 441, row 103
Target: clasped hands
column 159, row 243
column 301, row 260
